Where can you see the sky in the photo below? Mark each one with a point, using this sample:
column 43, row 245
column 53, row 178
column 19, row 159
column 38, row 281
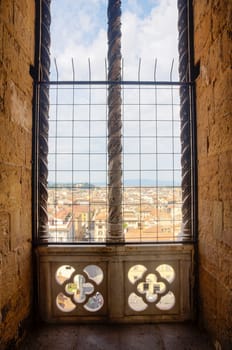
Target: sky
column 79, row 35
column 149, row 32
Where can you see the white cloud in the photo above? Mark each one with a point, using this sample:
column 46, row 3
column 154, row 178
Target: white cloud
column 79, row 31
column 81, row 53
column 154, row 36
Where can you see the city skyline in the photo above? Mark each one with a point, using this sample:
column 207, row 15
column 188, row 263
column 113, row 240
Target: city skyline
column 148, row 214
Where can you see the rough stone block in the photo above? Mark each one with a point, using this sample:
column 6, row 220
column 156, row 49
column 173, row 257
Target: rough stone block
column 12, row 140
column 225, row 265
column 7, row 11
column 218, row 143
column 223, row 98
column 217, row 219
column 203, row 34
column 219, row 58
column 24, row 260
column 2, row 90
column 20, row 107
column 4, row 232
column 226, row 45
column 15, row 229
column 9, row 276
column 208, row 301
column 10, row 195
column 205, row 107
column 208, row 178
column 224, row 316
column 1, row 44
column 225, row 175
column 23, row 23
column 209, row 255
column 16, row 62
column 227, row 223
column 205, row 213
column 26, row 205
column 202, row 142
column 221, row 9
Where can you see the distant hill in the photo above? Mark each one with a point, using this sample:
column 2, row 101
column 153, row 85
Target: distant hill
column 69, row 185
column 127, row 183
column 150, row 183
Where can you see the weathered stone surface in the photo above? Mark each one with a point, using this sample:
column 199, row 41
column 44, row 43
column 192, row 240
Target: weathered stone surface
column 16, row 55
column 217, row 219
column 227, row 223
column 4, row 232
column 224, row 315
column 202, row 19
column 18, row 146
column 213, row 28
column 208, row 169
column 225, row 183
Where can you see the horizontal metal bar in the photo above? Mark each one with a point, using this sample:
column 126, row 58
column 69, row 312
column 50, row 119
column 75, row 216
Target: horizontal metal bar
column 104, row 244
column 123, row 82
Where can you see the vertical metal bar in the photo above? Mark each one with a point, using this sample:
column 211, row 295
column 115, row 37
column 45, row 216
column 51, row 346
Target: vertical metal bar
column 89, row 155
column 43, row 121
column 184, row 62
column 56, row 153
column 105, row 150
column 123, row 154
column 140, row 156
column 74, row 235
column 115, row 231
column 173, row 156
column 156, row 153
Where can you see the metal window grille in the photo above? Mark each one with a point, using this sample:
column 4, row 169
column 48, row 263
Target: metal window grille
column 78, row 172
column 156, row 137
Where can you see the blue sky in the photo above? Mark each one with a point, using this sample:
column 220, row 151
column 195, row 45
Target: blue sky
column 149, row 32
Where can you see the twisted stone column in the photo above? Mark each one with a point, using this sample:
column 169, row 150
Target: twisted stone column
column 185, row 135
column 43, row 121
column 115, row 231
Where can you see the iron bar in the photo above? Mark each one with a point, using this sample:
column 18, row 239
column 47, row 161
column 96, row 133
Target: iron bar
column 115, row 231
column 184, row 63
column 119, row 82
column 103, row 244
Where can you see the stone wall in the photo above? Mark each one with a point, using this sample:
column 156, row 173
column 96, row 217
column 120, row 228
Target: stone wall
column 16, row 55
column 213, row 49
